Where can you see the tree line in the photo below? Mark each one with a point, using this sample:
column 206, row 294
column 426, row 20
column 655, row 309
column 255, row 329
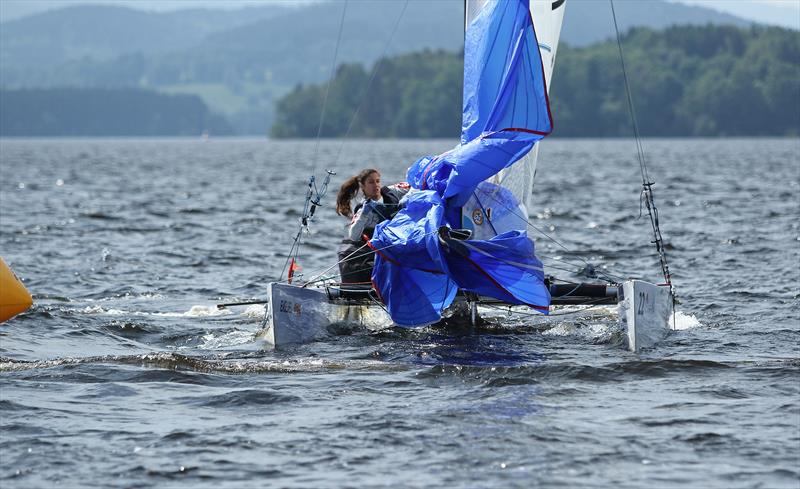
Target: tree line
column 686, row 81
column 105, row 112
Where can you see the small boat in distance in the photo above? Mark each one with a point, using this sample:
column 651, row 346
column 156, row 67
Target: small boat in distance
column 460, row 240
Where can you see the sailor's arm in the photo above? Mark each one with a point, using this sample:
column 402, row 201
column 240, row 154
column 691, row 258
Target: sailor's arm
column 364, row 221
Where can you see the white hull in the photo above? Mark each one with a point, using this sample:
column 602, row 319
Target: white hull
column 645, row 309
column 301, row 315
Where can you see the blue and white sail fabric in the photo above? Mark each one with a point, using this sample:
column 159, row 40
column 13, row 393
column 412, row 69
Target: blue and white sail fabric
column 505, row 112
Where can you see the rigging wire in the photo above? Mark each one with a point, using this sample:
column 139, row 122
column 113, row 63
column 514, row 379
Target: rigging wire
column 375, row 70
column 313, row 200
column 631, row 109
column 294, row 251
column 330, row 82
column 647, row 183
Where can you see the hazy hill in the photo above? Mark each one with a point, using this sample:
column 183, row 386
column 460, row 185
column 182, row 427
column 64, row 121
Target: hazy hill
column 299, row 46
column 590, row 21
column 241, row 61
column 100, row 32
column 294, row 40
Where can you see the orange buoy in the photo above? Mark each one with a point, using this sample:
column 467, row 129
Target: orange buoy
column 14, row 297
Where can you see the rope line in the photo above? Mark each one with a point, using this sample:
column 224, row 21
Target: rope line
column 348, row 257
column 343, row 260
column 606, row 276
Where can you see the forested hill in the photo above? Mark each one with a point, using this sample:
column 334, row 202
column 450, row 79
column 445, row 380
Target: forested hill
column 240, row 61
column 105, row 112
column 687, row 81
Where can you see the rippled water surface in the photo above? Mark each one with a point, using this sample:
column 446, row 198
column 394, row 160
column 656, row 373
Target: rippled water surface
column 125, row 374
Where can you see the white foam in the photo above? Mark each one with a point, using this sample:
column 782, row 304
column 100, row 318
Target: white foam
column 212, row 341
column 592, row 331
column 194, row 311
column 102, row 310
column 255, row 311
column 205, row 311
column 128, row 296
column 683, row 321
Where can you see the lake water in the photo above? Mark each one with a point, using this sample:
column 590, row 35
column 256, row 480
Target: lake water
column 124, row 373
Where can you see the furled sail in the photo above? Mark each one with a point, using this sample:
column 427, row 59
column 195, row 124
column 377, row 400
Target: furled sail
column 419, row 268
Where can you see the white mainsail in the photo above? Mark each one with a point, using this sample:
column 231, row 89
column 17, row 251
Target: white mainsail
column 547, row 16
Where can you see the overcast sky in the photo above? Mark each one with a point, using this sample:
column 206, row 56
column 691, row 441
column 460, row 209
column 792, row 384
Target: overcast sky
column 778, row 12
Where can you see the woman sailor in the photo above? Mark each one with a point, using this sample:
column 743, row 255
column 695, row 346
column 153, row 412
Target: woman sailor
column 378, row 204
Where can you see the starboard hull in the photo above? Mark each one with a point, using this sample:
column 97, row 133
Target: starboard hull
column 645, row 310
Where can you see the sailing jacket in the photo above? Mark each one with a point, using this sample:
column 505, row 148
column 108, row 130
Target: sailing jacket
column 357, row 267
column 369, row 213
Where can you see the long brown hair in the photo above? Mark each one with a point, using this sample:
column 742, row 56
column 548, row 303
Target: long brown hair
column 349, row 189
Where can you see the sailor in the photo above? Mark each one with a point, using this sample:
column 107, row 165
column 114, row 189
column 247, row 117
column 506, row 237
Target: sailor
column 378, row 204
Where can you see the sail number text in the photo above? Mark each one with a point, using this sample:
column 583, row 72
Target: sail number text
column 645, row 304
column 290, row 307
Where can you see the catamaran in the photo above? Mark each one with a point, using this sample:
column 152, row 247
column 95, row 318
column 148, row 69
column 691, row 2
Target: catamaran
column 460, row 240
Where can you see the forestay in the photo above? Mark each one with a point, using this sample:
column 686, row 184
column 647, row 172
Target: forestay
column 418, row 269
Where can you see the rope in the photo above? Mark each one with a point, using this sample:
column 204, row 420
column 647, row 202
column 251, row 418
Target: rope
column 343, row 260
column 348, row 257
column 483, row 209
column 296, row 246
column 292, row 253
column 606, row 276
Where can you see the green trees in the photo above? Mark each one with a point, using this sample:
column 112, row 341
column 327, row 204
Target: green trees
column 686, row 81
column 104, row 112
column 413, row 95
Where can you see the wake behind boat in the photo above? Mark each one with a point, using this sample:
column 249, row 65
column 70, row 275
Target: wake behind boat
column 460, row 240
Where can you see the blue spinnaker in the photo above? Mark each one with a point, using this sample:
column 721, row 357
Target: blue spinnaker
column 505, row 112
column 410, row 272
